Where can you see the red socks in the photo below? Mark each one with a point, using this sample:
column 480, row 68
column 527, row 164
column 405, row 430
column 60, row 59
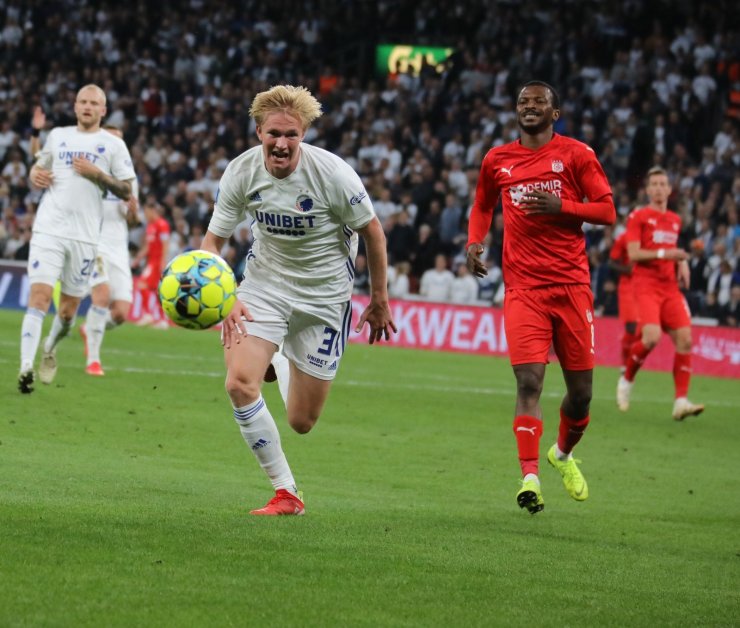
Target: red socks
column 638, row 353
column 528, row 430
column 682, row 373
column 628, row 340
column 570, row 432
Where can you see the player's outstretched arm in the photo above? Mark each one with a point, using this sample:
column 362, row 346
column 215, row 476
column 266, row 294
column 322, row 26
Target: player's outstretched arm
column 378, row 312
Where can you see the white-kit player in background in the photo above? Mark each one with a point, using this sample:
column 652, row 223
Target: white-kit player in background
column 112, row 284
column 308, row 206
column 76, row 167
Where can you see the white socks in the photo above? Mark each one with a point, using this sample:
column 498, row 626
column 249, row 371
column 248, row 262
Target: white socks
column 282, row 370
column 95, row 324
column 261, row 434
column 59, row 329
column 560, row 455
column 31, row 328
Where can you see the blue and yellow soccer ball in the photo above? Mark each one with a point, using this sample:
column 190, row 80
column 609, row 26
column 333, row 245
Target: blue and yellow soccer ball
column 197, row 290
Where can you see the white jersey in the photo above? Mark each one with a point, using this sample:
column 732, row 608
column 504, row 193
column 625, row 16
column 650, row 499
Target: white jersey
column 114, row 234
column 72, row 207
column 303, row 225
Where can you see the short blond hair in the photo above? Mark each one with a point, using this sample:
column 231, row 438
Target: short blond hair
column 292, row 100
column 656, row 171
column 92, row 86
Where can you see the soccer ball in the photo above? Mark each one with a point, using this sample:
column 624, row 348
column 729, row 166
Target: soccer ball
column 197, row 290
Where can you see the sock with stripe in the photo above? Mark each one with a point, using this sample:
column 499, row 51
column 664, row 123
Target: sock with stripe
column 59, row 329
column 570, row 432
column 638, row 353
column 682, row 373
column 527, row 430
column 31, row 328
column 261, row 434
column 95, row 326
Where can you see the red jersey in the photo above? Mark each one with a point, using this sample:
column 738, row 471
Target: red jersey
column 654, row 229
column 541, row 250
column 619, row 255
column 157, row 233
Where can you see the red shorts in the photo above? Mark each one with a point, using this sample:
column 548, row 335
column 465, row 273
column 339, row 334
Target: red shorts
column 149, row 278
column 664, row 307
column 627, row 303
column 560, row 316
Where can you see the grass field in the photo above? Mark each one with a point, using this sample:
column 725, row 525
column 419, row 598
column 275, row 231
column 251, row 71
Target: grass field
column 124, row 499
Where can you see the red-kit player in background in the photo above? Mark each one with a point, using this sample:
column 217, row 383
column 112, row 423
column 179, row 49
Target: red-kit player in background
column 660, row 266
column 620, row 263
column 154, row 250
column 543, row 179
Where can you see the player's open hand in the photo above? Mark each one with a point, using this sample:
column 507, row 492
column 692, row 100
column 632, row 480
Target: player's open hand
column 233, row 328
column 41, row 178
column 378, row 315
column 474, row 262
column 539, row 202
column 38, row 121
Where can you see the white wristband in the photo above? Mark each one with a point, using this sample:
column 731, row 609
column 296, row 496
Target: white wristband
column 661, row 253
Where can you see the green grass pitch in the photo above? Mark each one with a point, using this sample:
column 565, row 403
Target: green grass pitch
column 124, row 499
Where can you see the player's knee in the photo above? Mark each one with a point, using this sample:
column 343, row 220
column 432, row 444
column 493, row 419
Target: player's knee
column 302, row 422
column 683, row 344
column 650, row 339
column 241, row 389
column 580, row 398
column 528, row 385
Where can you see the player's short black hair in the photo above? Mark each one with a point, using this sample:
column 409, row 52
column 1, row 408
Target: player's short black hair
column 553, row 91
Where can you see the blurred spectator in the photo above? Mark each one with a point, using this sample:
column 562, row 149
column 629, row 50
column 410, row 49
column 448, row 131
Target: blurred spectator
column 401, row 239
column 464, row 288
column 399, row 285
column 436, row 283
column 362, row 276
column 730, row 313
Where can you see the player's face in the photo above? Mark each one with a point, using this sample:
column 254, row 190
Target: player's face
column 281, row 134
column 89, row 108
column 534, row 109
column 658, row 189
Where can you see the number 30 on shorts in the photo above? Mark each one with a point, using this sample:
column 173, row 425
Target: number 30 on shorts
column 329, row 345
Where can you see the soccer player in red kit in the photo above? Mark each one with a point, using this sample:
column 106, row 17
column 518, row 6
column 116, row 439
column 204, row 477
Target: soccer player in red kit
column 619, row 261
column 543, row 179
column 157, row 237
column 652, row 235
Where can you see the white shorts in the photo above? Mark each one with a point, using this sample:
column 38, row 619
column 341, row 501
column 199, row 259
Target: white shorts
column 52, row 259
column 113, row 268
column 314, row 335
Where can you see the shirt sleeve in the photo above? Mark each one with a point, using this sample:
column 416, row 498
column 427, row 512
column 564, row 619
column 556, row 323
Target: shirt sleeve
column 121, row 167
column 351, row 201
column 486, row 198
column 229, row 206
column 595, row 187
column 634, row 229
column 45, row 157
column 617, row 247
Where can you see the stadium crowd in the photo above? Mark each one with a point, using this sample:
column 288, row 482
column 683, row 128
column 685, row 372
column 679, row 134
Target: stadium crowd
column 642, row 83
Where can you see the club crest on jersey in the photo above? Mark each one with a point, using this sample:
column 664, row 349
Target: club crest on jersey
column 557, row 165
column 303, row 203
column 100, row 148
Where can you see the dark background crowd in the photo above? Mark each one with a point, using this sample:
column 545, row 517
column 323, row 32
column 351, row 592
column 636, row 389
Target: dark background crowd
column 643, row 83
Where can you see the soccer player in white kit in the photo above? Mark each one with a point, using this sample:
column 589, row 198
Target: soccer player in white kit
column 308, row 206
column 77, row 165
column 112, row 284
